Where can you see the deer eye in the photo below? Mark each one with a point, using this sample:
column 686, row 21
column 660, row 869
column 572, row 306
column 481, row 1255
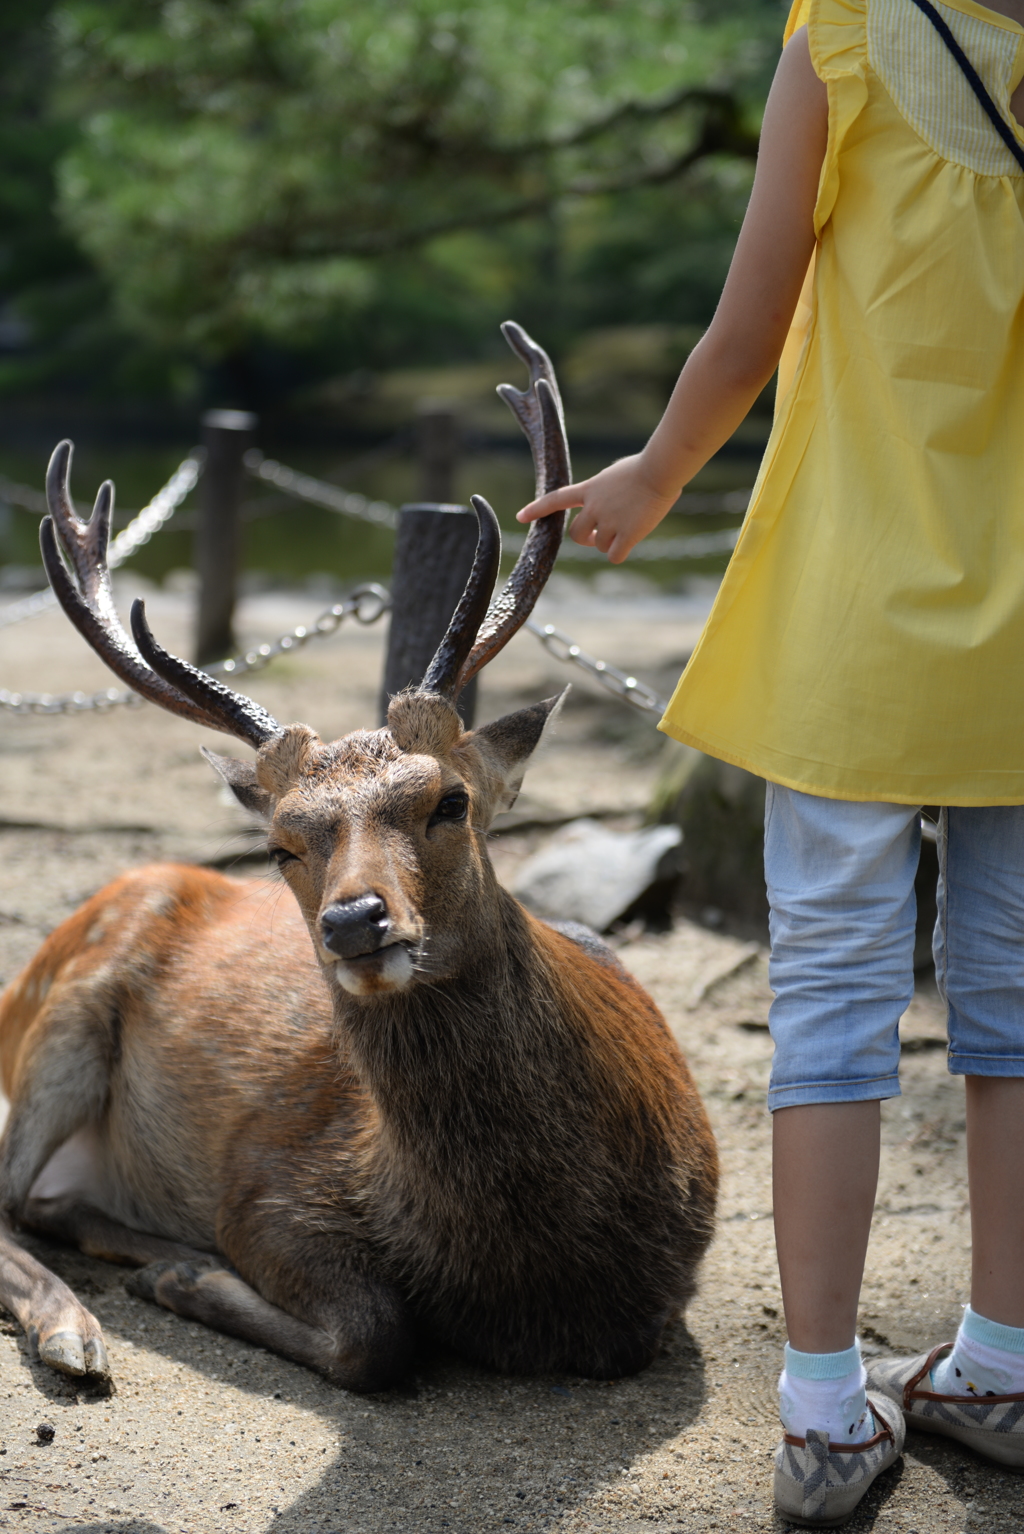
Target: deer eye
column 281, row 856
column 452, row 807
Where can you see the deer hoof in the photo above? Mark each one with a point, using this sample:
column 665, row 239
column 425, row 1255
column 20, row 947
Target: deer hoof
column 68, row 1352
column 64, row 1351
column 96, row 1361
column 142, row 1283
column 145, row 1283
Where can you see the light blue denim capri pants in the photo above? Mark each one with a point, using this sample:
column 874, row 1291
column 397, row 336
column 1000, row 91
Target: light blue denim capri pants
column 840, row 879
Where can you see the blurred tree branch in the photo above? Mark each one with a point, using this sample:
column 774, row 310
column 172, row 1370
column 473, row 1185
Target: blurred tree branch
column 244, row 165
column 722, row 130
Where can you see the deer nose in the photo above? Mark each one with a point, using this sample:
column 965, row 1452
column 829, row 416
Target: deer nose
column 350, row 928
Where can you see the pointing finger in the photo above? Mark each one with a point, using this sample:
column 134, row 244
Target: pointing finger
column 555, row 500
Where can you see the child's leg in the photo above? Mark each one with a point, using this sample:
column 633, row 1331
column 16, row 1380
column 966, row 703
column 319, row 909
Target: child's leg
column 825, row 1169
column 975, row 1392
column 995, row 1166
column 824, row 1172
column 988, row 1356
column 841, row 885
column 979, row 958
column 979, row 963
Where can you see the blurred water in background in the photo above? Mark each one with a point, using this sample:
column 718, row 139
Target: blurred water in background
column 291, row 544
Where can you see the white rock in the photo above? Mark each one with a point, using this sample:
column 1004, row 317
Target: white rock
column 590, row 874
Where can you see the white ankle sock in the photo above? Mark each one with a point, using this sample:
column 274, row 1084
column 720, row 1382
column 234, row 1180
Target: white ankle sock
column 987, row 1360
column 825, row 1391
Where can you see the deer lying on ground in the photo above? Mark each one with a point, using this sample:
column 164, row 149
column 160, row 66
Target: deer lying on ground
column 444, row 1120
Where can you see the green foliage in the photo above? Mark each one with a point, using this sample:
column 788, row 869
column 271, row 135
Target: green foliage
column 242, row 196
column 42, row 272
column 311, row 170
column 32, row 244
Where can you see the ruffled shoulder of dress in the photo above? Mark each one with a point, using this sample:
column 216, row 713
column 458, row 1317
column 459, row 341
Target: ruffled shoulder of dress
column 837, row 37
column 837, row 31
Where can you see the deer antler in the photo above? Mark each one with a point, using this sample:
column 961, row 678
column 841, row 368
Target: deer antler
column 155, row 674
column 444, row 670
column 539, row 412
column 474, row 635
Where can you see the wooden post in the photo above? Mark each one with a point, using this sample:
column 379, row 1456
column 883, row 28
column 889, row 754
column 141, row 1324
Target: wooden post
column 434, row 549
column 226, row 435
column 437, row 451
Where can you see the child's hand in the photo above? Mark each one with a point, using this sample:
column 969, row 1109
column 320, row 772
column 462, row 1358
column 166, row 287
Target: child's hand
column 619, row 506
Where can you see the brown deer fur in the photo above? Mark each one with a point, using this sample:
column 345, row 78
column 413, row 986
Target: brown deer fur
column 481, row 1133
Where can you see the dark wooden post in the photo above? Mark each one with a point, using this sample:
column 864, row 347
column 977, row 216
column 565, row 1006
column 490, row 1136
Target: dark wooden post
column 227, row 435
column 437, row 451
column 434, row 548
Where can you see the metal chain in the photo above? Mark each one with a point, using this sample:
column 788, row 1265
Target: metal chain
column 67, row 702
column 159, row 510
column 13, row 494
column 17, row 612
column 365, row 603
column 319, row 492
column 610, row 677
column 139, row 531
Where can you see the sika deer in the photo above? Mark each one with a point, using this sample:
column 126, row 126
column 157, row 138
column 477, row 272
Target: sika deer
column 444, row 1119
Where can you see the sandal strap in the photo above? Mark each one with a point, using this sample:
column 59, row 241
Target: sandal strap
column 922, row 1373
column 911, row 1394
column 884, row 1432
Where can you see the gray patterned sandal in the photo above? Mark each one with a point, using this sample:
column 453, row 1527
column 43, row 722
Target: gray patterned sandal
column 818, row 1484
column 990, row 1425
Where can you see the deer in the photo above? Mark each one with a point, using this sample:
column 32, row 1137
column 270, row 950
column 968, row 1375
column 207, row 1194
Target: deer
column 393, row 1112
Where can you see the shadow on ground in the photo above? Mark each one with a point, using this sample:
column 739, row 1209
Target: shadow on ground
column 257, row 1441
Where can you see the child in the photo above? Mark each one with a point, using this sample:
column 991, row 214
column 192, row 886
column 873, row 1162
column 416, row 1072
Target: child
column 866, row 656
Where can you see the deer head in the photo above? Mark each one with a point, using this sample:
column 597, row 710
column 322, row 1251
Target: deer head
column 379, row 834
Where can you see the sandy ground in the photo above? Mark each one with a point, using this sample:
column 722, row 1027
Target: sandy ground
column 209, row 1434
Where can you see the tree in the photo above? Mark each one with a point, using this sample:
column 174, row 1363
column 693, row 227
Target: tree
column 257, row 168
column 45, row 280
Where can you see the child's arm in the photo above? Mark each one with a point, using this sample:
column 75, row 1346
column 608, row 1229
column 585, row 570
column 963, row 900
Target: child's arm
column 741, row 348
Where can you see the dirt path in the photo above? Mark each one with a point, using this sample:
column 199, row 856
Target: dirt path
column 208, row 1434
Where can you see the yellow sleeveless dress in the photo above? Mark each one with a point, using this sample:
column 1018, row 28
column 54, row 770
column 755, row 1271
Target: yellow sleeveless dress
column 867, row 641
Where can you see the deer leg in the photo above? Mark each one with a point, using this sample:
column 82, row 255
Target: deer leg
column 80, row 1224
column 59, row 1328
column 62, row 1088
column 364, row 1345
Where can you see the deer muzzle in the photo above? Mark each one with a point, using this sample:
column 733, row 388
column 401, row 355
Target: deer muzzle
column 351, row 929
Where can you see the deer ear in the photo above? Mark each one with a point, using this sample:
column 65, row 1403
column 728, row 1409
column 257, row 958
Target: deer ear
column 508, row 743
column 241, row 779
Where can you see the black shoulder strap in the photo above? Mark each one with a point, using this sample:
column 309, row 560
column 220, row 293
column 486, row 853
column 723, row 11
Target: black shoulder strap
column 1000, row 124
